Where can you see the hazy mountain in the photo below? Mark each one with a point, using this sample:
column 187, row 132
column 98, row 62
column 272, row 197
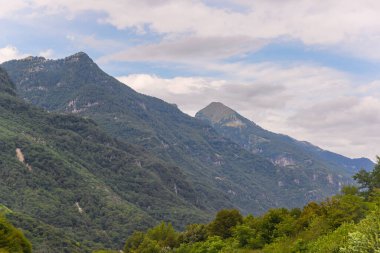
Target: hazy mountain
column 281, row 150
column 222, row 173
column 72, row 188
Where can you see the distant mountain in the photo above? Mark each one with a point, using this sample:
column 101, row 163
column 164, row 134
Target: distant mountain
column 73, row 188
column 281, row 150
column 222, row 173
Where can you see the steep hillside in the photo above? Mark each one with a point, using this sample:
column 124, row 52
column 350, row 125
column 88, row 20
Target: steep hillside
column 12, row 240
column 282, row 150
column 223, row 173
column 73, row 188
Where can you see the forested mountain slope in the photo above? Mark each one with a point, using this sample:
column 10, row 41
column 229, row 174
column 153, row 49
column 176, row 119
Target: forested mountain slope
column 223, row 173
column 72, row 188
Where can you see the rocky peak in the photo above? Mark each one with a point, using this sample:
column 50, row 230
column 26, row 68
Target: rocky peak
column 216, row 112
column 78, row 57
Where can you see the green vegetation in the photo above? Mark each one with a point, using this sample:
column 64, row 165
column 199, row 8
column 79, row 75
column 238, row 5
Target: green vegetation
column 12, row 240
column 221, row 172
column 346, row 223
column 72, row 188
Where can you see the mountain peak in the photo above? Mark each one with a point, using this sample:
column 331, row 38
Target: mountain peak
column 80, row 56
column 216, row 112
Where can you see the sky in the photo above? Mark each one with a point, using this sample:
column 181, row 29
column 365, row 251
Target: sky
column 305, row 68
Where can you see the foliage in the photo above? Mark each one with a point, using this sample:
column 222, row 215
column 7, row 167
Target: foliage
column 224, row 223
column 12, row 240
column 345, row 223
column 369, row 181
column 73, row 175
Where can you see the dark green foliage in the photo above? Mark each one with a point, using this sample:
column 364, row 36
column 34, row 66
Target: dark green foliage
column 369, row 181
column 12, row 240
column 224, row 223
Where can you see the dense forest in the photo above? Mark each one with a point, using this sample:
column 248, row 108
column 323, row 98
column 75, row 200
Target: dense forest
column 348, row 222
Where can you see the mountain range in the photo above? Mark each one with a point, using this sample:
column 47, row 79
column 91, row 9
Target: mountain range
column 85, row 156
column 282, row 150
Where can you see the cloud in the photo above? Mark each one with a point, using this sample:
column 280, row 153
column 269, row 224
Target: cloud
column 10, row 53
column 189, row 49
column 48, row 53
column 92, row 41
column 9, row 8
column 309, row 102
column 347, row 26
column 312, row 103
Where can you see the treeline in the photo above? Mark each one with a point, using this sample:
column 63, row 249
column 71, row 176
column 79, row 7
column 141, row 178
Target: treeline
column 348, row 222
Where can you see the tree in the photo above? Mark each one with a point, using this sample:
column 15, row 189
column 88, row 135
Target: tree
column 368, row 181
column 164, row 234
column 194, row 233
column 244, row 235
column 134, row 242
column 224, row 223
column 366, row 238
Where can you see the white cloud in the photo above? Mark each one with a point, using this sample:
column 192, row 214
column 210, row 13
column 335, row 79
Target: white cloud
column 10, row 53
column 349, row 26
column 48, row 53
column 9, row 8
column 189, row 49
column 310, row 103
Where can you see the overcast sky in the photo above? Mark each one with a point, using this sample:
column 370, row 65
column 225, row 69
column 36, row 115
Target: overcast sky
column 306, row 68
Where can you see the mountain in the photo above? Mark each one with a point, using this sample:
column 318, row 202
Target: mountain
column 222, row 173
column 73, row 188
column 281, row 150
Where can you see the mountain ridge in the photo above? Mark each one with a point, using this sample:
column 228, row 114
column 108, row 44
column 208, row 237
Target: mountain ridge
column 223, row 173
column 65, row 182
column 254, row 138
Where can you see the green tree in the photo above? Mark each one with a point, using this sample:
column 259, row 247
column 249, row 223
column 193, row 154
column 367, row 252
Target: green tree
column 164, row 234
column 194, row 233
column 368, row 181
column 134, row 242
column 224, row 223
column 366, row 238
column 244, row 235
